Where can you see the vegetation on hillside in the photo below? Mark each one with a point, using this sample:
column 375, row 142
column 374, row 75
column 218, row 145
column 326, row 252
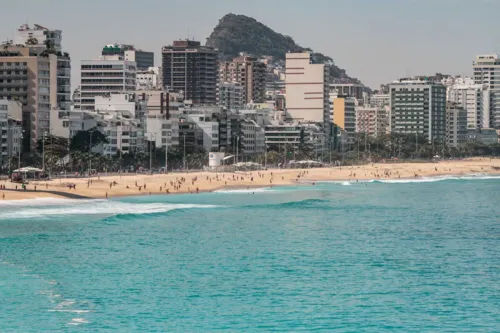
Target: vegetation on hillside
column 240, row 33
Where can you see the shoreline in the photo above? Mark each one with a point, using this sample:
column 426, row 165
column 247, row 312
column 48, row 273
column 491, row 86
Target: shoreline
column 204, row 182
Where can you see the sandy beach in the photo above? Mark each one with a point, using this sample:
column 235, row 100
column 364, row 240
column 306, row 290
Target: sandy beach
column 196, row 182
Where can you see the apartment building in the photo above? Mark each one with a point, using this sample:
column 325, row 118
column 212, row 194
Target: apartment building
column 487, row 72
column 380, row 100
column 231, row 96
column 10, row 131
column 372, row 120
column 307, row 90
column 149, row 79
column 474, row 98
column 343, row 113
column 354, row 90
column 103, row 76
column 190, row 69
column 418, row 107
column 248, row 72
column 39, row 78
column 456, row 124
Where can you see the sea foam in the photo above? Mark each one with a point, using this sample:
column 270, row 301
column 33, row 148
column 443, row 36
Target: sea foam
column 61, row 207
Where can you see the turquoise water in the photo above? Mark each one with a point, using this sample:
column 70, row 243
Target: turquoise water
column 375, row 257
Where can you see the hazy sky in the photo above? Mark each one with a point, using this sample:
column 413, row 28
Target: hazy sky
column 376, row 41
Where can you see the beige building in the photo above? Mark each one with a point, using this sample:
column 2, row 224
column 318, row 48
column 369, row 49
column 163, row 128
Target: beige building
column 307, row 90
column 40, row 80
column 249, row 73
column 372, row 120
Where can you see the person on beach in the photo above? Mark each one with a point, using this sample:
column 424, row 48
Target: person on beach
column 106, row 195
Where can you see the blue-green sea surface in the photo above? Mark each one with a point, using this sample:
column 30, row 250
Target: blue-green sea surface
column 332, row 257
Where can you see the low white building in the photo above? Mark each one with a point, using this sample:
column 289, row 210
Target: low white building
column 380, row 100
column 162, row 131
column 122, row 102
column 125, row 135
column 149, row 79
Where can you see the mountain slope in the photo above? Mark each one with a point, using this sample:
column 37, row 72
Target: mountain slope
column 240, row 33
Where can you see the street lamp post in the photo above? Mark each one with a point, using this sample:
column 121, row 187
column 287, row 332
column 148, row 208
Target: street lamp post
column 237, row 147
column 184, row 158
column 166, row 152
column 43, row 150
column 20, row 148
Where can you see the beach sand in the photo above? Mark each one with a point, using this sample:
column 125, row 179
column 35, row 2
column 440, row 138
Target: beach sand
column 211, row 181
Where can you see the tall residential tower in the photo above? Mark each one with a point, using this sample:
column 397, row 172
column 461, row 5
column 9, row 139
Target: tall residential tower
column 191, row 69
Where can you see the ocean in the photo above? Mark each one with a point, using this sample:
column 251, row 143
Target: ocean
column 385, row 256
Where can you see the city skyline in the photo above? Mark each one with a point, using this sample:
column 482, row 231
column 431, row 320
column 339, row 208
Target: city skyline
column 415, row 38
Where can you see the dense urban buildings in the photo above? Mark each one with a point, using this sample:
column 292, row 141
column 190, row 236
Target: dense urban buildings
column 487, row 71
column 143, row 59
column 191, row 69
column 249, row 73
column 307, row 90
column 418, row 107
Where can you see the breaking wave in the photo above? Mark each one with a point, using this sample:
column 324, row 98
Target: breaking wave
column 250, row 190
column 45, row 208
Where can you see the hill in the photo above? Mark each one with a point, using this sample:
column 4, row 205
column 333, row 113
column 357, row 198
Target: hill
column 240, row 33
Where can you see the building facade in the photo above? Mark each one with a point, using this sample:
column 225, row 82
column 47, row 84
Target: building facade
column 38, row 36
column 10, row 132
column 150, row 79
column 247, row 72
column 418, row 107
column 231, row 96
column 487, row 72
column 372, row 120
column 307, row 90
column 39, row 78
column 456, row 124
column 380, row 100
column 143, row 59
column 343, row 113
column 474, row 98
column 354, row 90
column 191, row 69
column 103, row 76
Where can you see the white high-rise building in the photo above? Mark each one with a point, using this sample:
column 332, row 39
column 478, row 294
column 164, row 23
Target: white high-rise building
column 474, row 98
column 106, row 75
column 487, row 71
column 307, row 90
